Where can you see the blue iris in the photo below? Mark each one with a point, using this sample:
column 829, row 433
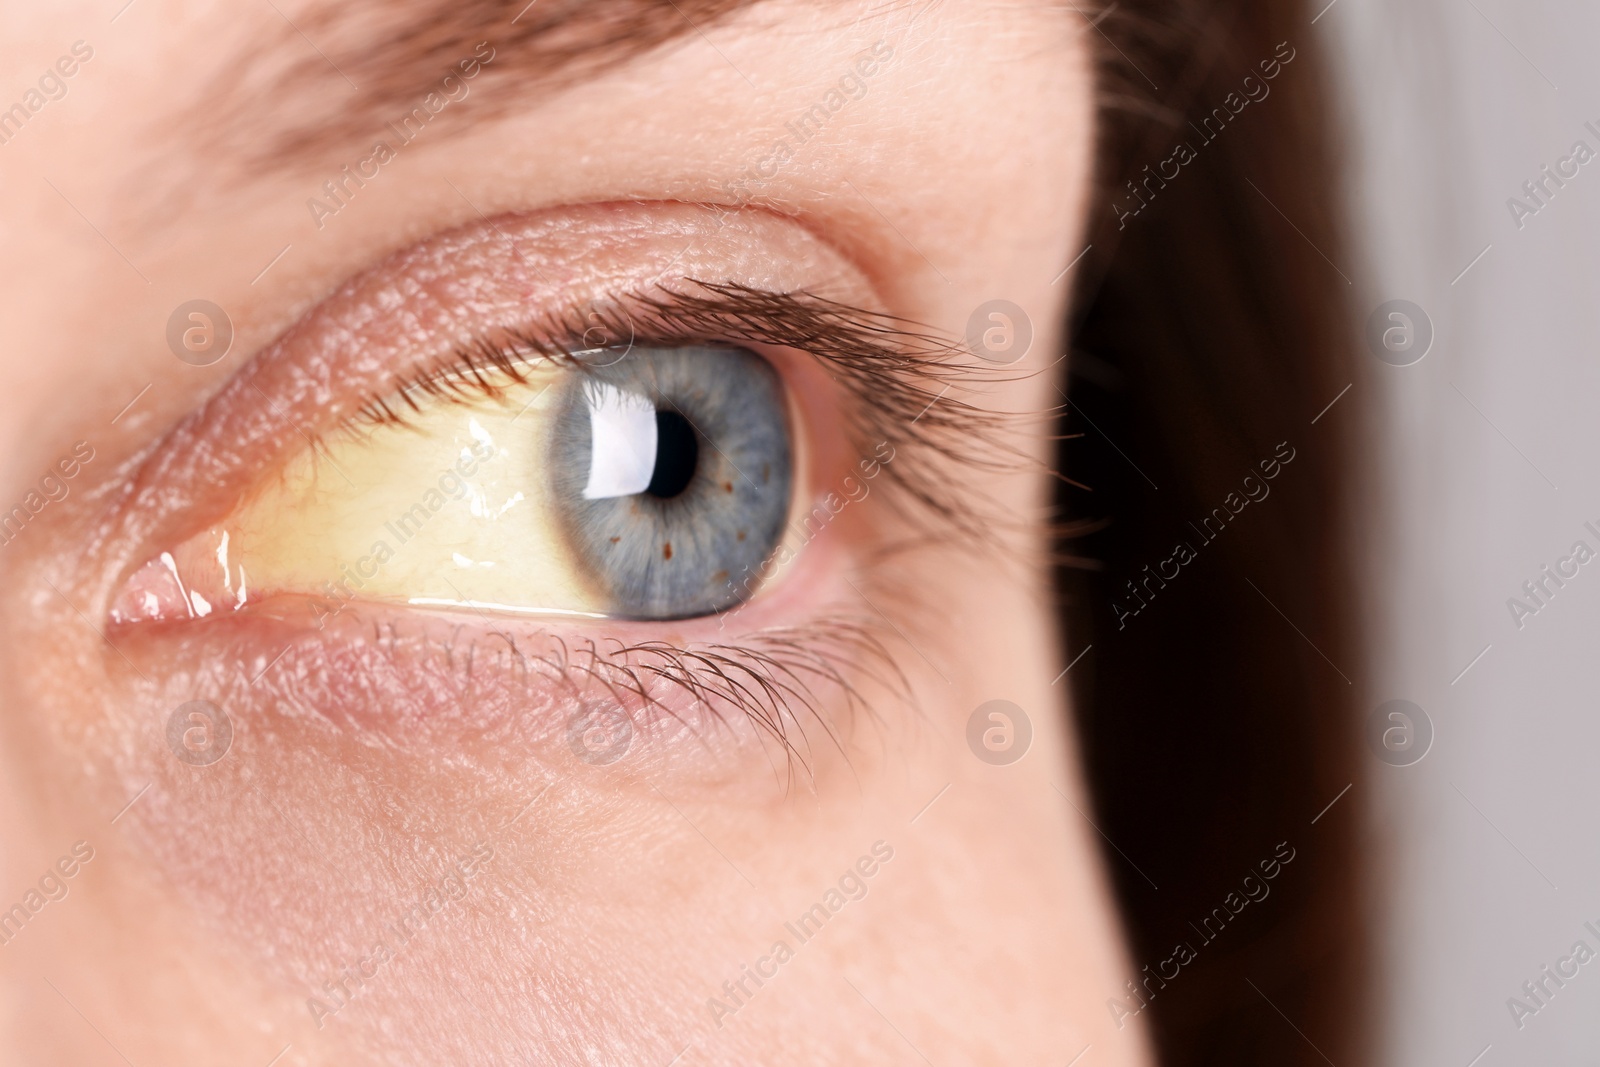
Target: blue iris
column 672, row 471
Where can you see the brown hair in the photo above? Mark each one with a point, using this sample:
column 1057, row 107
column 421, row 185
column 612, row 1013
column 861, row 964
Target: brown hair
column 1217, row 705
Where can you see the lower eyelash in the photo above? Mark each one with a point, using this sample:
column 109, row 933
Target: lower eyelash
column 774, row 678
column 442, row 688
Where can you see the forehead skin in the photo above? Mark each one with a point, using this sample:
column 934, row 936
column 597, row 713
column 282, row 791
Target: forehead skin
column 179, row 163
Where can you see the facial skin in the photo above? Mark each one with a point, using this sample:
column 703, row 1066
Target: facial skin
column 559, row 910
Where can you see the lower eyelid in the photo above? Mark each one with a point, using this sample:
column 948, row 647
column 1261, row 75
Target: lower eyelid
column 438, row 688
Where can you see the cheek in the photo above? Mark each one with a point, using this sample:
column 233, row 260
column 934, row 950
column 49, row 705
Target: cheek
column 309, row 841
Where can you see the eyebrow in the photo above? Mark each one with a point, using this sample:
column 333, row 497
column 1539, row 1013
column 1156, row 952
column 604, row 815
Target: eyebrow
column 358, row 69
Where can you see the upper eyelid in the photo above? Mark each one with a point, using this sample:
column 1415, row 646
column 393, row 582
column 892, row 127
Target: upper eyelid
column 418, row 304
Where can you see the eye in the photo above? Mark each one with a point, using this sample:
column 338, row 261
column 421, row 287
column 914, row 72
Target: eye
column 671, row 473
column 646, row 483
column 436, row 510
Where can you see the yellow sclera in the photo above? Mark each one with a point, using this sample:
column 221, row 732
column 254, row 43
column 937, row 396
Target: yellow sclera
column 450, row 508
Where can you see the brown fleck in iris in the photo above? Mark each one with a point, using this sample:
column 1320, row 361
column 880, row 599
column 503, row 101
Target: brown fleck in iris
column 666, row 550
column 727, row 487
column 741, row 535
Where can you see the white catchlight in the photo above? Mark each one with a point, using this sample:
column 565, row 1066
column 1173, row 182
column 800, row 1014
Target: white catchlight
column 622, row 439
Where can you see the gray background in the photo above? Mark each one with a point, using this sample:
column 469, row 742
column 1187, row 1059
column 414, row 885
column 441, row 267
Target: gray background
column 1488, row 461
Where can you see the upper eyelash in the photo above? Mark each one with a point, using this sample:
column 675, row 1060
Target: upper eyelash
column 897, row 376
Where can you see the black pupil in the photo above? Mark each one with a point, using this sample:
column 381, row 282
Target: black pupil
column 677, row 454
